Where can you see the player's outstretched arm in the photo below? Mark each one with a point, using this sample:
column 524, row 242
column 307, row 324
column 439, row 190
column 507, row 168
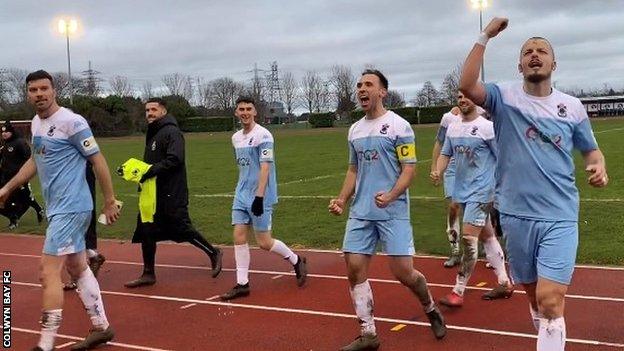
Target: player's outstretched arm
column 102, row 173
column 337, row 205
column 595, row 166
column 469, row 83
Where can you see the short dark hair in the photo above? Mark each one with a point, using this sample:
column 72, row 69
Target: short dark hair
column 382, row 78
column 40, row 74
column 157, row 100
column 245, row 99
column 539, row 38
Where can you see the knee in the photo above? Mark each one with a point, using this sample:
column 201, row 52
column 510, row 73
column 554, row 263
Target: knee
column 550, row 304
column 356, row 275
column 264, row 241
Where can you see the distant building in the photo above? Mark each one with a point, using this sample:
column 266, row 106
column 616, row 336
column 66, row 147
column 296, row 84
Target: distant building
column 276, row 113
column 604, row 105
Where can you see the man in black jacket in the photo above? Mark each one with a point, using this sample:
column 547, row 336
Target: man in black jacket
column 14, row 153
column 164, row 150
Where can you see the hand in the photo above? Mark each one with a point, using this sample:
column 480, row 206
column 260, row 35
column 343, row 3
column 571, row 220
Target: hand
column 111, row 211
column 455, row 110
column 4, row 196
column 257, row 207
column 597, row 175
column 336, row 206
column 383, row 199
column 149, row 174
column 496, row 25
column 435, row 178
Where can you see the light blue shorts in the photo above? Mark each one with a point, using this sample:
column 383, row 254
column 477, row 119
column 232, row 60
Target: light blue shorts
column 449, row 183
column 540, row 249
column 66, row 233
column 259, row 224
column 395, row 235
column 476, row 213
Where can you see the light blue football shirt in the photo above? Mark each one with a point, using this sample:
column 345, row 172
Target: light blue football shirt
column 61, row 145
column 378, row 147
column 251, row 150
column 536, row 137
column 472, row 146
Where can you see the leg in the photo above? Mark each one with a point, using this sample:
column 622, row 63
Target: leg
column 359, row 244
column 196, row 239
column 496, row 257
column 52, row 306
column 556, row 256
column 452, row 231
column 89, row 292
column 148, row 249
column 242, row 257
column 268, row 243
column 550, row 297
column 530, row 290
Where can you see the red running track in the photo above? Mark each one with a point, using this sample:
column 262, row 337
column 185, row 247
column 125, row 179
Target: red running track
column 175, row 314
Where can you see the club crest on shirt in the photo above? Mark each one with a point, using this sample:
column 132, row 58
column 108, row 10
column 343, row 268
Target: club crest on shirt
column 51, row 130
column 384, row 128
column 474, row 130
column 562, row 110
column 154, row 146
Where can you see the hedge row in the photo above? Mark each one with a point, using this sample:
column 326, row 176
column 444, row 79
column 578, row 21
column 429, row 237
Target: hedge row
column 207, row 124
column 414, row 115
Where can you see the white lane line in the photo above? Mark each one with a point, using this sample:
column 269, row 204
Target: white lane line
column 277, row 276
column 334, row 277
column 341, row 315
column 187, row 306
column 64, row 345
column 212, row 298
column 72, row 337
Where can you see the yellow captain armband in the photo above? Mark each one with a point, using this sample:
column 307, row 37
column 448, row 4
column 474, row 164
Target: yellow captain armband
column 406, row 152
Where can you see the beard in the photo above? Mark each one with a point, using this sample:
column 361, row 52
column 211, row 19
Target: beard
column 466, row 110
column 537, row 77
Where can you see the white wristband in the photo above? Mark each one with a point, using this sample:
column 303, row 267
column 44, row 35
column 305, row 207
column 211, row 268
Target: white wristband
column 482, row 39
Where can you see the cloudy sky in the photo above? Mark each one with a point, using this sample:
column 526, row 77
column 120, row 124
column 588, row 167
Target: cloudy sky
column 411, row 41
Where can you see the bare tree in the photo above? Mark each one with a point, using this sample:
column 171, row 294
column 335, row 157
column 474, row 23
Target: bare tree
column 204, row 93
column 450, row 86
column 343, row 82
column 428, row 95
column 120, row 86
column 175, row 83
column 290, row 91
column 322, row 96
column 309, row 84
column 225, row 91
column 147, row 91
column 16, row 79
column 394, row 99
column 187, row 88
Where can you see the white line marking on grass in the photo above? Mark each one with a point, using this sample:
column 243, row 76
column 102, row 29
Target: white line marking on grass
column 334, row 277
column 304, row 180
column 71, row 337
column 187, row 306
column 424, row 198
column 608, row 130
column 341, row 315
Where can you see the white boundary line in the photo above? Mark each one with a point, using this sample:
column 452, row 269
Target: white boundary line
column 607, row 130
column 302, row 197
column 340, row 315
column 336, row 252
column 274, row 275
column 71, row 337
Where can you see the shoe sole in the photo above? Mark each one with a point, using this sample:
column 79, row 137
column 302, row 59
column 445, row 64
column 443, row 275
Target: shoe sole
column 227, row 298
column 304, row 277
